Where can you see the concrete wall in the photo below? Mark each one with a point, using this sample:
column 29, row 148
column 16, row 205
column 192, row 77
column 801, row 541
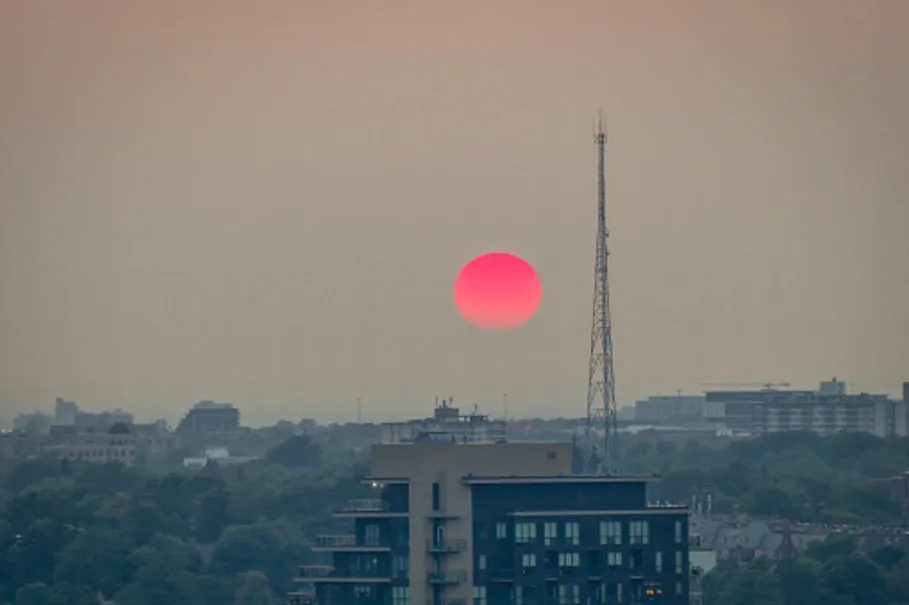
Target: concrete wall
column 446, row 464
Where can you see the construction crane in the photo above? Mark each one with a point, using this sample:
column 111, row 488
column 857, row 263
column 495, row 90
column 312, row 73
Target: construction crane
column 763, row 385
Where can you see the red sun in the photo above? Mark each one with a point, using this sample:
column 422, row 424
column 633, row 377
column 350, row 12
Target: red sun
column 497, row 291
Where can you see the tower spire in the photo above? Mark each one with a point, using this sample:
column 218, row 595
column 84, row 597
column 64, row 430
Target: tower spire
column 601, row 407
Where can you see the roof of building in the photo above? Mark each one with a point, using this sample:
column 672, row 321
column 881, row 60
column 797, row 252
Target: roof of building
column 532, row 480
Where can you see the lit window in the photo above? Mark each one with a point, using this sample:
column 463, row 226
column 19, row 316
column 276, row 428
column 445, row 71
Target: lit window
column 614, row 559
column 528, row 560
column 501, row 531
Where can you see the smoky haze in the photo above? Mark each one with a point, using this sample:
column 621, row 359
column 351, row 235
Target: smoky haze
column 270, row 205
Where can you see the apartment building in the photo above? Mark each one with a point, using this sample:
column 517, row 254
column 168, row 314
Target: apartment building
column 499, row 523
column 826, row 411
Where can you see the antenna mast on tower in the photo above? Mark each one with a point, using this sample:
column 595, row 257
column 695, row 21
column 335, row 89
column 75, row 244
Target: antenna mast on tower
column 601, row 406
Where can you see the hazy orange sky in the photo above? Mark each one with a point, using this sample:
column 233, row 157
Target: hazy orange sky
column 268, row 203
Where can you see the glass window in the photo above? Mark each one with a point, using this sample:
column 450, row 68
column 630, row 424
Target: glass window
column 525, row 533
column 678, row 532
column 501, row 531
column 569, row 559
column 400, row 595
column 550, row 532
column 658, row 561
column 611, row 533
column 639, row 532
column 614, row 559
column 572, row 534
column 528, row 560
column 400, row 567
column 678, row 562
column 519, row 595
column 569, row 594
column 479, row 595
column 481, row 562
column 371, row 534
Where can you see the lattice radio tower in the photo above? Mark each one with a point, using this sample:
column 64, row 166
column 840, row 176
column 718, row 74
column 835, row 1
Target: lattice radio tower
column 601, row 455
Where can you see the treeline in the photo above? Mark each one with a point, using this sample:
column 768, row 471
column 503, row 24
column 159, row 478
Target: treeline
column 71, row 534
column 797, row 476
column 832, row 573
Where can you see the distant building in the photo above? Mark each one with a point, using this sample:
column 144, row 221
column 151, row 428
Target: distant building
column 208, row 418
column 116, row 445
column 65, row 412
column 35, row 423
column 102, row 420
column 671, row 409
column 446, row 424
column 493, row 522
column 220, row 455
column 827, row 411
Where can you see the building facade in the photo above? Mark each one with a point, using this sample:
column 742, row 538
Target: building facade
column 500, row 523
column 210, row 418
column 663, row 409
column 827, row 411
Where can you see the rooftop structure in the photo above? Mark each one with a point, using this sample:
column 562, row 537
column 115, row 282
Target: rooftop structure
column 447, row 424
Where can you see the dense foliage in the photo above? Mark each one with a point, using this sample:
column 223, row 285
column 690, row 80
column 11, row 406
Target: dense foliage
column 71, row 532
column 832, row 573
column 797, row 476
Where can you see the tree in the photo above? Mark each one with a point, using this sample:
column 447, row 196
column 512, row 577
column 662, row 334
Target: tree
column 38, row 593
column 99, row 558
column 213, row 515
column 254, row 590
column 296, row 452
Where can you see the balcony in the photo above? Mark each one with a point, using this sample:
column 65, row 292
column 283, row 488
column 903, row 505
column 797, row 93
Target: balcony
column 346, row 542
column 309, row 572
column 301, row 596
column 447, row 577
column 431, row 601
column 446, row 546
column 328, row 573
column 367, row 507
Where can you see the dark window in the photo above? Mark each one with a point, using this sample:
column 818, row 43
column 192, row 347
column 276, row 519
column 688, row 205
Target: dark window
column 435, row 496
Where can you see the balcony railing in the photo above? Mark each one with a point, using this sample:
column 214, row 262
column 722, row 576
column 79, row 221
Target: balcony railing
column 369, row 505
column 345, row 541
column 329, row 572
column 446, row 546
column 447, row 577
column 315, row 571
